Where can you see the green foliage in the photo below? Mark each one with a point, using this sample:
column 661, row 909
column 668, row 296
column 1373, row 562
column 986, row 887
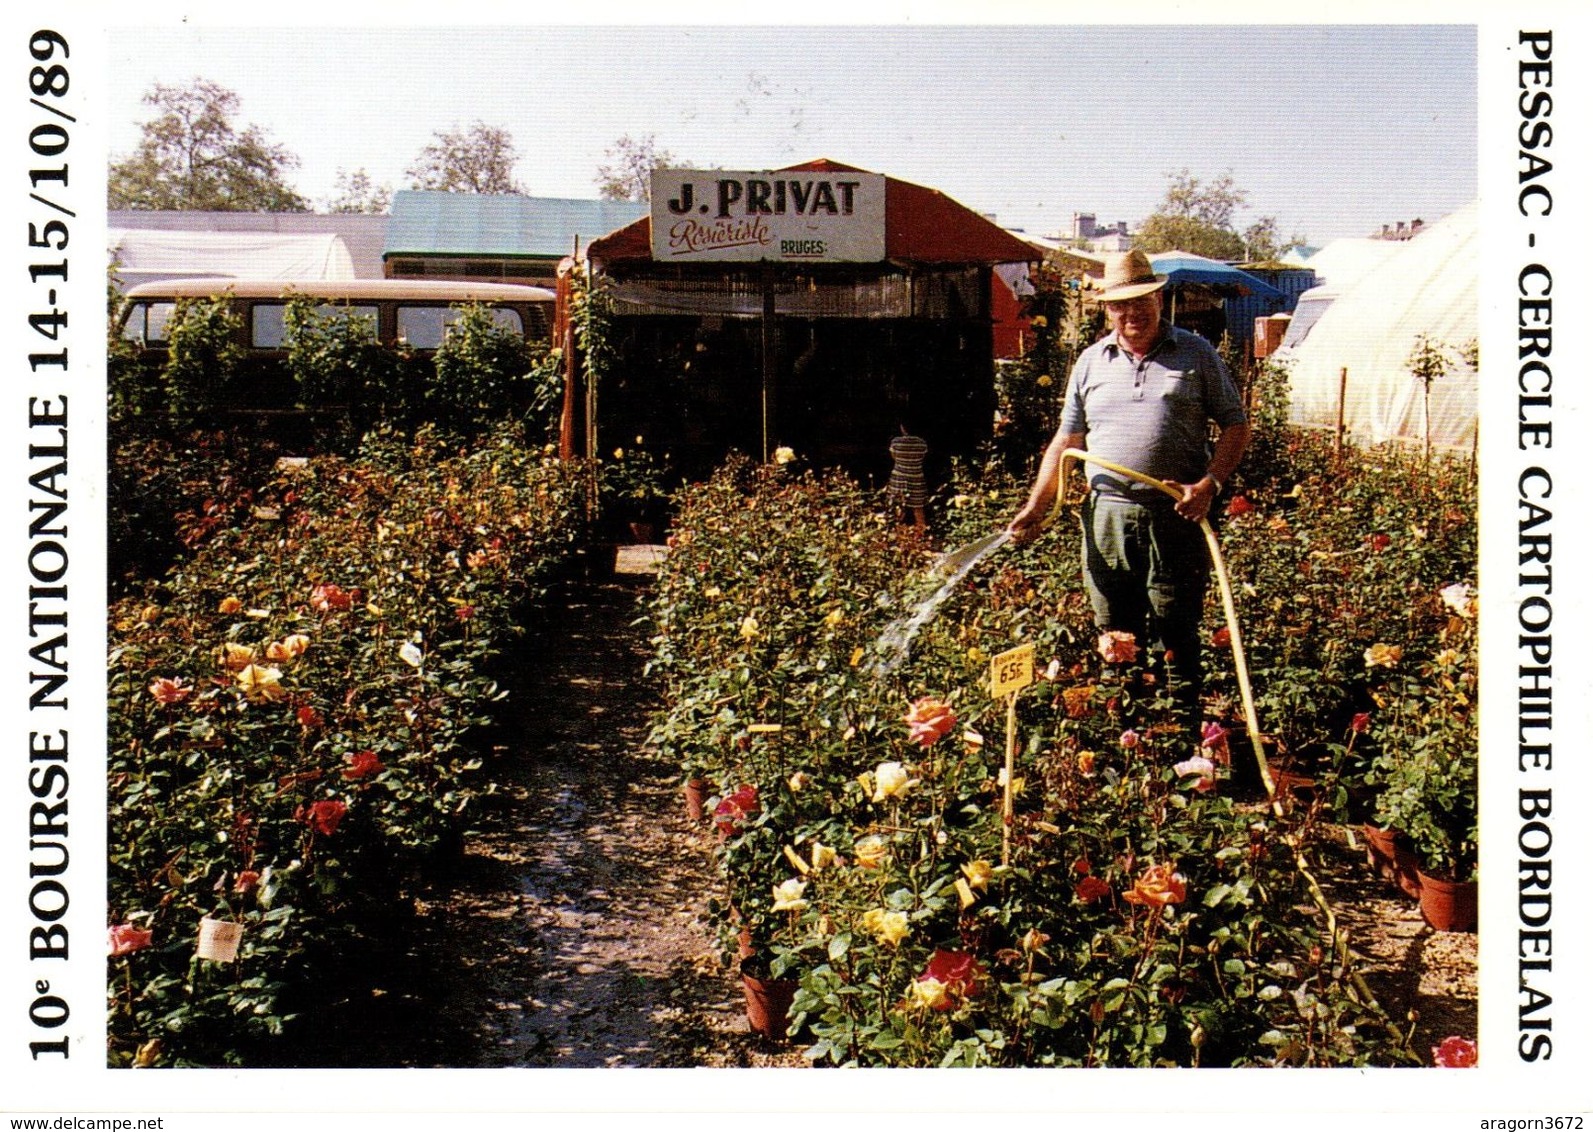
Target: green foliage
column 1140, row 919
column 333, row 354
column 203, row 357
column 1029, row 389
column 479, row 159
column 627, row 169
column 294, row 714
column 191, row 156
column 1198, row 216
column 484, row 372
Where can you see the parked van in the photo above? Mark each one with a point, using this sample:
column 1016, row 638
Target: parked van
column 415, row 313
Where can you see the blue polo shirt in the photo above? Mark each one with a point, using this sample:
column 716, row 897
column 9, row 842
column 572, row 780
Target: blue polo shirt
column 1150, row 415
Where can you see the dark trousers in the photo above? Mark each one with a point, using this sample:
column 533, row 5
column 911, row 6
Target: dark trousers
column 1146, row 569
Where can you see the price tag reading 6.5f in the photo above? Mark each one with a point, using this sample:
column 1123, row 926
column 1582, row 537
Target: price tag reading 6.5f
column 1012, row 671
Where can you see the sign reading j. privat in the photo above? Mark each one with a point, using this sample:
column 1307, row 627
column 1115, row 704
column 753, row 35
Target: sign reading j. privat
column 714, row 215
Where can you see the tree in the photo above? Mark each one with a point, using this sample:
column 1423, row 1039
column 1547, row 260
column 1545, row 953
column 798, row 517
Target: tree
column 478, row 160
column 627, row 171
column 1196, row 216
column 356, row 193
column 192, row 157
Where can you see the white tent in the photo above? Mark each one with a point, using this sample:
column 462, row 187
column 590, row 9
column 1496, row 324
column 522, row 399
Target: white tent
column 1428, row 286
column 144, row 255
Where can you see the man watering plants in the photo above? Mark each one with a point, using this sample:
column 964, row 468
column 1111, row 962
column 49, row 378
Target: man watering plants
column 1142, row 398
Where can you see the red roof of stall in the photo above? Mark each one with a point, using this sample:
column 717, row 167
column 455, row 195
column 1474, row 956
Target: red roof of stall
column 922, row 226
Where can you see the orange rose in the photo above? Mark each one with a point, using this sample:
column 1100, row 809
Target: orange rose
column 928, row 720
column 1117, row 647
column 1157, row 887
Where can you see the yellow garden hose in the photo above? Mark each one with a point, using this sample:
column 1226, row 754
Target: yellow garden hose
column 1224, row 586
column 1339, row 942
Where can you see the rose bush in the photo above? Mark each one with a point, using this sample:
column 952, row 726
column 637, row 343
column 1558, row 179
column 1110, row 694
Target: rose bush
column 294, row 719
column 1141, row 916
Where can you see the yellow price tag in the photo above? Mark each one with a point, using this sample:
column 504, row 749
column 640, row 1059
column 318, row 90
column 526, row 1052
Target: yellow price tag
column 1012, row 671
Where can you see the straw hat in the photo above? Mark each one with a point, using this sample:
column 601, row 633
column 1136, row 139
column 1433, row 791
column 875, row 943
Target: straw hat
column 1128, row 277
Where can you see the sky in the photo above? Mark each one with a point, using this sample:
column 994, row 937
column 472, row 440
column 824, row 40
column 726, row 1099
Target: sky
column 1333, row 130
column 1330, row 129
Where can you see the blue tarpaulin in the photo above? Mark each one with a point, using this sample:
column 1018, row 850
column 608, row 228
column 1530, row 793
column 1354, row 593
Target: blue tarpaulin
column 1186, row 267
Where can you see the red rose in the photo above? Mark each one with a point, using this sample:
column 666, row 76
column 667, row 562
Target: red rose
column 734, row 808
column 309, row 717
column 956, row 971
column 1222, row 638
column 1455, row 1053
column 328, row 597
column 362, row 764
column 1360, row 721
column 1091, row 889
column 324, row 816
column 1380, row 541
column 465, row 612
column 1239, row 505
column 246, row 881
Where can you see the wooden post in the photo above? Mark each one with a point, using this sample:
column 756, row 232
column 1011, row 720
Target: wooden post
column 768, row 346
column 1338, row 434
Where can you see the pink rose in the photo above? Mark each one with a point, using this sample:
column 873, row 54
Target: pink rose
column 165, row 690
column 126, row 939
column 735, row 808
column 1129, row 739
column 328, row 597
column 1204, row 770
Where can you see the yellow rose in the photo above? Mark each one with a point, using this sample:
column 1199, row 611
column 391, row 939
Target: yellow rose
column 799, row 780
column 749, row 629
column 788, row 895
column 783, row 456
column 887, row 927
column 891, row 780
column 823, row 856
column 236, row 657
column 928, row 994
column 834, row 617
column 229, row 604
column 1043, row 381
column 1383, row 656
column 261, row 683
column 978, row 874
column 872, row 851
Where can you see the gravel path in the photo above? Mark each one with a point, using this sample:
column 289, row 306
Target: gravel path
column 580, row 910
column 573, row 932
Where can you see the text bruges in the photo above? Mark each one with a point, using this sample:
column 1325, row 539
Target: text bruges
column 760, row 197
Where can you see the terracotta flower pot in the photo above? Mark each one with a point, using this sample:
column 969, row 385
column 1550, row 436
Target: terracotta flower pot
column 1448, row 905
column 1390, row 856
column 696, row 797
column 768, row 1002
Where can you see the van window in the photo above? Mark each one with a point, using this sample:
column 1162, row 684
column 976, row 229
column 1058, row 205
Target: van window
column 424, row 327
column 267, row 330
column 147, row 322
